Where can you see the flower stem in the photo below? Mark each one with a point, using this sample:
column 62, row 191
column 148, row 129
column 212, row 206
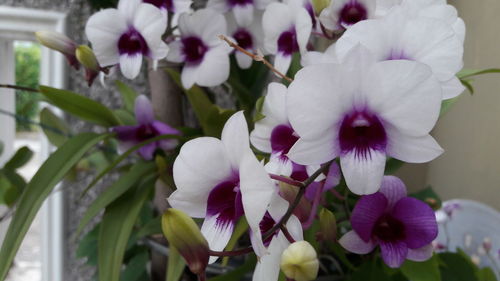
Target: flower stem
column 286, row 180
column 21, row 88
column 287, row 234
column 255, row 57
column 231, row 253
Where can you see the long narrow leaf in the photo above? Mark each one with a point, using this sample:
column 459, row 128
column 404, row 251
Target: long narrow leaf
column 115, row 230
column 49, row 174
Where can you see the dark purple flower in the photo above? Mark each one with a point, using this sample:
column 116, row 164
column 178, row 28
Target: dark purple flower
column 147, row 128
column 404, row 227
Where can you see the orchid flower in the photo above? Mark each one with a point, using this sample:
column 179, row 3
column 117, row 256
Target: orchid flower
column 147, row 128
column 171, row 6
column 399, row 36
column 287, row 28
column 342, row 14
column 127, row 34
column 402, row 226
column 268, row 267
column 222, row 180
column 205, row 56
column 248, row 37
column 243, row 11
column 364, row 111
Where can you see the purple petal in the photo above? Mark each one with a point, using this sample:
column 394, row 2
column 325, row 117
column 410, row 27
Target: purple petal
column 311, row 190
column 164, row 129
column 420, row 254
column 393, row 253
column 126, row 133
column 393, row 188
column 354, row 244
column 333, row 176
column 147, row 151
column 366, row 214
column 419, row 220
column 143, row 110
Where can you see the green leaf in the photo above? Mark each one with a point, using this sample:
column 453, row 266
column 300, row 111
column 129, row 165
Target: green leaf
column 126, row 118
column 56, row 129
column 468, row 85
column 429, row 196
column 486, row 274
column 467, row 73
column 239, row 272
column 116, row 227
column 87, row 247
column 128, row 95
column 175, row 266
column 80, row 106
column 216, row 120
column 1, row 147
column 258, row 109
column 393, row 165
column 22, row 156
column 150, row 228
column 49, row 174
column 117, row 189
column 370, row 271
column 456, row 267
column 136, row 267
column 422, row 271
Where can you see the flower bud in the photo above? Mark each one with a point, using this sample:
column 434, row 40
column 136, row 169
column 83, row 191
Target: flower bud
column 289, row 193
column 183, row 234
column 61, row 43
column 328, row 226
column 320, row 5
column 87, row 58
column 300, row 262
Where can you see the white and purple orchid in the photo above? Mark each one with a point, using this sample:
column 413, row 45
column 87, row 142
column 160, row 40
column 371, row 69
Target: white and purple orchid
column 126, row 35
column 401, row 36
column 287, row 28
column 248, row 37
column 171, row 6
column 221, row 181
column 205, row 56
column 403, row 227
column 364, row 111
column 147, row 128
column 243, row 11
column 342, row 14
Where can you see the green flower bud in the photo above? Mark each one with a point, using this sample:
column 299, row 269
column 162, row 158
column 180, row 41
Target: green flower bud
column 59, row 42
column 87, row 58
column 320, row 5
column 299, row 262
column 328, row 225
column 183, row 234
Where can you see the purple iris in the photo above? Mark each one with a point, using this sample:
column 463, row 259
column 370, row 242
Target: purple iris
column 193, row 49
column 287, row 42
column 352, row 12
column 162, row 4
column 404, row 227
column 132, row 42
column 147, row 128
column 361, row 132
column 224, row 202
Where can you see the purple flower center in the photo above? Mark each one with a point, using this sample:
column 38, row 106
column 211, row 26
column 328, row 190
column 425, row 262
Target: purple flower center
column 132, row 43
column 287, row 42
column 352, row 13
column 282, row 139
column 225, row 202
column 362, row 131
column 146, row 132
column 194, row 49
column 265, row 225
column 389, row 229
column 299, row 172
column 243, row 38
column 165, row 4
column 233, row 3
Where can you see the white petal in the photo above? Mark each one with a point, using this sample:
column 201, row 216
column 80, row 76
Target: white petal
column 257, row 190
column 201, row 165
column 103, row 30
column 303, row 28
column 268, row 268
column 235, row 138
column 405, row 94
column 243, row 14
column 214, row 69
column 421, row 254
column 244, row 61
column 278, row 166
column 277, row 18
column 206, row 23
column 312, row 58
column 452, row 88
column 189, row 76
column 363, row 173
column 282, row 62
column 220, row 6
column 151, row 23
column 412, row 149
column 354, row 244
column 130, row 65
column 314, row 151
column 217, row 235
column 175, row 52
column 128, row 8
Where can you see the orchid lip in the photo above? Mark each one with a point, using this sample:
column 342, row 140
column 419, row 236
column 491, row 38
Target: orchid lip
column 287, row 42
column 362, row 131
column 233, row 3
column 283, row 137
column 162, row 4
column 194, row 50
column 265, row 225
column 132, row 42
column 244, row 38
column 353, row 12
column 398, row 55
column 225, row 202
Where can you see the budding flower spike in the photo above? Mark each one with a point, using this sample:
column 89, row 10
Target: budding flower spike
column 402, row 226
column 126, row 35
column 147, row 128
column 183, row 234
column 299, row 262
column 364, row 111
column 87, row 58
column 61, row 43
